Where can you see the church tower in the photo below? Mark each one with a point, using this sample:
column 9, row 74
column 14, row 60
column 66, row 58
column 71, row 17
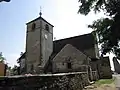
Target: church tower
column 39, row 44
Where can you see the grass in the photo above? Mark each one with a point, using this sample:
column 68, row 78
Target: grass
column 104, row 81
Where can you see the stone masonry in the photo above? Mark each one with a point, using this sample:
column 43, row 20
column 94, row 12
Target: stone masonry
column 64, row 81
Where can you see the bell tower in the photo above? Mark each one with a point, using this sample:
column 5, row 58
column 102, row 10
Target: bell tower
column 39, row 44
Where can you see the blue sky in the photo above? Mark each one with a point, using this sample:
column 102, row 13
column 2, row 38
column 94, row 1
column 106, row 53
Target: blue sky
column 13, row 19
column 61, row 13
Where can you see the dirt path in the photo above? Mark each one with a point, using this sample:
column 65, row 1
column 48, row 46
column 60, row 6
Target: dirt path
column 106, row 87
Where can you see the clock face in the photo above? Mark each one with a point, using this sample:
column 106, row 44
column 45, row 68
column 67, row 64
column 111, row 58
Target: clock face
column 46, row 36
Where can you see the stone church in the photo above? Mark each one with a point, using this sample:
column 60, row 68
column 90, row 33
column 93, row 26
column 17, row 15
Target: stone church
column 43, row 55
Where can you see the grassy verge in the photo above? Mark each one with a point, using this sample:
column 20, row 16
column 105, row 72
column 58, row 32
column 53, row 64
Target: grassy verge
column 104, row 81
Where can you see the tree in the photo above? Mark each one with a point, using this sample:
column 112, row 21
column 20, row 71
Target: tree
column 108, row 28
column 2, row 59
column 5, row 0
column 15, row 70
column 21, row 53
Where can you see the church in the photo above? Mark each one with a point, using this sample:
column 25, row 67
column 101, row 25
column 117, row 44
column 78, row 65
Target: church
column 73, row 54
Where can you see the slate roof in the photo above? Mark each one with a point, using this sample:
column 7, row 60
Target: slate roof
column 81, row 42
column 21, row 57
column 41, row 19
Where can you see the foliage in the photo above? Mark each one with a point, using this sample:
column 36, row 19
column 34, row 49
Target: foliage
column 5, row 0
column 2, row 59
column 15, row 70
column 106, row 28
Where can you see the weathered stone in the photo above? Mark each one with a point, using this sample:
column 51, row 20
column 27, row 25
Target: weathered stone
column 66, row 81
column 95, row 75
column 70, row 59
column 39, row 44
column 105, row 68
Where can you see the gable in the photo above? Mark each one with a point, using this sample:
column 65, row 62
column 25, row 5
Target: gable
column 70, row 59
column 72, row 52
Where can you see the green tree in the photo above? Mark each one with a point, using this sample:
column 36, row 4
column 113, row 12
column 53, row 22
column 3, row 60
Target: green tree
column 2, row 59
column 15, row 70
column 5, row 0
column 108, row 28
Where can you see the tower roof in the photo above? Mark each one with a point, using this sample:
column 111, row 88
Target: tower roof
column 40, row 12
column 41, row 19
column 81, row 42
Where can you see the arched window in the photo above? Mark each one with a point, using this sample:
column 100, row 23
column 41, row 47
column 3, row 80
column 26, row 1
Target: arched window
column 33, row 26
column 46, row 27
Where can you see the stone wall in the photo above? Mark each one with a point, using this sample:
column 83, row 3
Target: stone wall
column 105, row 68
column 69, row 59
column 64, row 81
column 39, row 45
column 95, row 75
column 32, row 46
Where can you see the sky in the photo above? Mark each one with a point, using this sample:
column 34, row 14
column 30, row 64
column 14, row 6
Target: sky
column 63, row 14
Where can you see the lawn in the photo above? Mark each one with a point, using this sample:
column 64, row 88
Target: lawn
column 104, row 81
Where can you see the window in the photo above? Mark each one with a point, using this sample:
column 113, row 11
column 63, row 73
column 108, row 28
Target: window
column 33, row 26
column 46, row 27
column 69, row 65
